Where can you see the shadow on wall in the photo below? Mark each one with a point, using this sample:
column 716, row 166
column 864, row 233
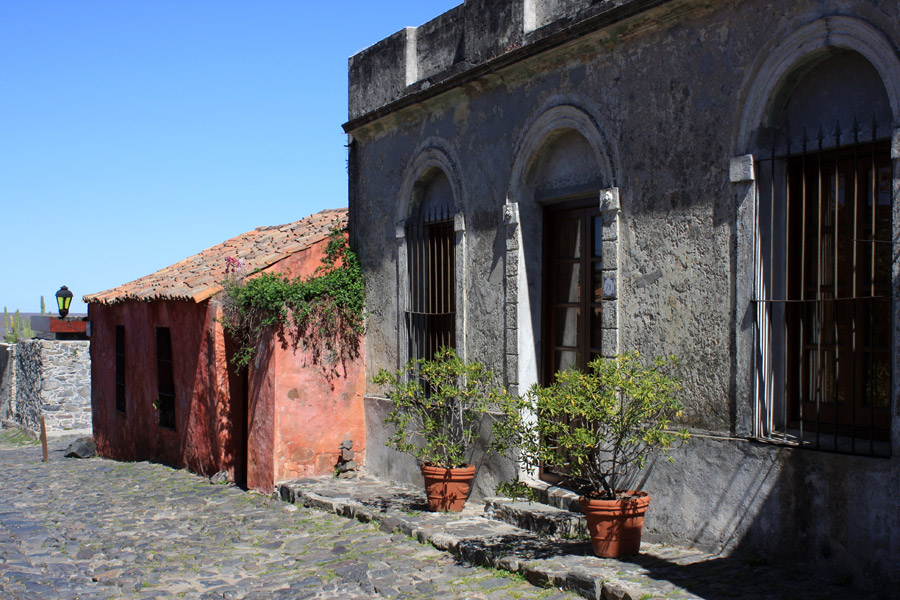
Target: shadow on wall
column 780, row 508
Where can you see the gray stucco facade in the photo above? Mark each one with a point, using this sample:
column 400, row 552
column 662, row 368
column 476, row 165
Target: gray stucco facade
column 658, row 110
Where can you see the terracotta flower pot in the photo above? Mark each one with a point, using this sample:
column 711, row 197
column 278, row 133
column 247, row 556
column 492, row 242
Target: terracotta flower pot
column 447, row 489
column 615, row 525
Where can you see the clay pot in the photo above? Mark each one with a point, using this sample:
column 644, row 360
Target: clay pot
column 447, row 489
column 615, row 525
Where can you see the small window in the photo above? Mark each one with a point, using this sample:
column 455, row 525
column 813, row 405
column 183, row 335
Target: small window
column 431, row 318
column 165, row 404
column 120, row 368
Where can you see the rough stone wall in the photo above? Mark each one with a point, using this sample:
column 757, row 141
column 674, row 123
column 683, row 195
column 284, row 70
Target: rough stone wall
column 48, row 377
column 6, row 379
column 66, row 384
column 27, row 409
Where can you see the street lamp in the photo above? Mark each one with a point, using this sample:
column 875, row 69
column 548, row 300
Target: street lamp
column 63, row 300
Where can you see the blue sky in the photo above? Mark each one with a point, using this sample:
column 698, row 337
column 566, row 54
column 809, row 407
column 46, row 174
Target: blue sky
column 134, row 133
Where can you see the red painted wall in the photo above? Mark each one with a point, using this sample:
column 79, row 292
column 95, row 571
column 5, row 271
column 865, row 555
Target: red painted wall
column 203, row 439
column 287, row 423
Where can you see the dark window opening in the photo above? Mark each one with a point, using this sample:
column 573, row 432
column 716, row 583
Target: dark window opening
column 120, row 368
column 572, row 286
column 824, row 285
column 431, row 316
column 165, row 404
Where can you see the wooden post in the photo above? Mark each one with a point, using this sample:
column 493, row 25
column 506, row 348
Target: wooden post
column 44, row 439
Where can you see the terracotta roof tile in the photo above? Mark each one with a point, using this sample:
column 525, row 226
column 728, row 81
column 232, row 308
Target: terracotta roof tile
column 196, row 277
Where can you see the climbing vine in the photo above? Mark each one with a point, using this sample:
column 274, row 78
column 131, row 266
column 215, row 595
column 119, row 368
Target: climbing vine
column 324, row 312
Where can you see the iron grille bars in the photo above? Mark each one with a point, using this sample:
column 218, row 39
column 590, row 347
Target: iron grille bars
column 431, row 309
column 822, row 278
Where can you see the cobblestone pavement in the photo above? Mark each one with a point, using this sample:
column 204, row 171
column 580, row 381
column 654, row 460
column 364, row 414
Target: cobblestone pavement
column 79, row 529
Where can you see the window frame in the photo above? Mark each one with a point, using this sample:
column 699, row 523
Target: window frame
column 121, row 369
column 165, row 380
column 590, row 263
column 431, row 287
column 801, row 189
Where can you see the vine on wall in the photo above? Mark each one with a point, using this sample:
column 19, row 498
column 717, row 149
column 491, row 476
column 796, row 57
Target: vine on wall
column 325, row 312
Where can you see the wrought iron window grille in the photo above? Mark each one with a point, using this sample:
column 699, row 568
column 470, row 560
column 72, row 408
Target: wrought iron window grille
column 823, row 295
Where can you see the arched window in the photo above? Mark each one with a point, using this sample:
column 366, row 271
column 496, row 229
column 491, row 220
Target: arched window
column 431, row 267
column 823, row 257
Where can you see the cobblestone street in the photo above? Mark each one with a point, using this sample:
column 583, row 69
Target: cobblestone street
column 100, row 529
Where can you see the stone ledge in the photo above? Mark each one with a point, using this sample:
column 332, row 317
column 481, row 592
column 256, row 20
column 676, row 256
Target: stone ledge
column 659, row 571
column 478, row 539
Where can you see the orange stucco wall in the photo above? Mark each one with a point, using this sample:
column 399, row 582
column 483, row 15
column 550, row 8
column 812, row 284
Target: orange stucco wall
column 315, row 410
column 288, row 422
column 301, row 410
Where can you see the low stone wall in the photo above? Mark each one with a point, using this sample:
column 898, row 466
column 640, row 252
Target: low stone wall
column 6, row 377
column 48, row 377
column 66, row 384
column 27, row 407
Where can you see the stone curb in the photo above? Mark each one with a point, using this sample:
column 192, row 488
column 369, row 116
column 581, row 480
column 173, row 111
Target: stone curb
column 478, row 549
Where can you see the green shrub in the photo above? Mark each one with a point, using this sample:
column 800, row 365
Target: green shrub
column 439, row 406
column 325, row 311
column 596, row 426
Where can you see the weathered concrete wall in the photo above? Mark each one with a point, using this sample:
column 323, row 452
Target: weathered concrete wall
column 203, row 439
column 833, row 512
column 303, row 404
column 657, row 97
column 469, row 35
column 387, row 463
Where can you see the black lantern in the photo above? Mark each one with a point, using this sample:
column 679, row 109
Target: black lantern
column 63, row 300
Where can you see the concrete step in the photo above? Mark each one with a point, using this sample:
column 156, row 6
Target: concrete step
column 660, row 571
column 540, row 518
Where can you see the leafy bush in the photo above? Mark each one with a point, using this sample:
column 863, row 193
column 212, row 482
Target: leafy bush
column 594, row 427
column 326, row 311
column 439, row 406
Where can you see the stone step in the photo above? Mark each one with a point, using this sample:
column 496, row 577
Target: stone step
column 567, row 564
column 540, row 518
column 660, row 571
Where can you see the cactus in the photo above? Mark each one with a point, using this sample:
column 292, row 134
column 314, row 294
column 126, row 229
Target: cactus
column 43, row 307
column 18, row 329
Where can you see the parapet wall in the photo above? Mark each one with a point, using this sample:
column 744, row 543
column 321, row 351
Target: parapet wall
column 472, row 34
column 48, row 377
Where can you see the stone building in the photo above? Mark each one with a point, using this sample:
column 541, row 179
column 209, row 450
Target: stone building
column 164, row 387
column 712, row 179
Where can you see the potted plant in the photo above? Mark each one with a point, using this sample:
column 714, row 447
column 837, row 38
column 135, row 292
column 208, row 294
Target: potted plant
column 438, row 409
column 593, row 428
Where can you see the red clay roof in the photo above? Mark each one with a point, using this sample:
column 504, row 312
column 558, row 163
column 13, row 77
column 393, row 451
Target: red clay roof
column 197, row 277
